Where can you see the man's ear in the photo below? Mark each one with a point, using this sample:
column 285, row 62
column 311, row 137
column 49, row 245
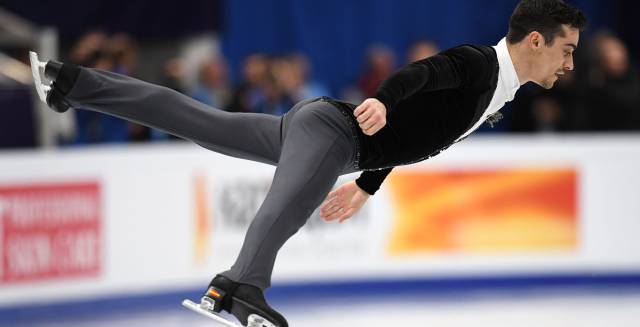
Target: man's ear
column 536, row 40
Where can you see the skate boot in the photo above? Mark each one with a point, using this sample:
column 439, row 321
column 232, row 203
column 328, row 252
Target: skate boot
column 53, row 81
column 245, row 302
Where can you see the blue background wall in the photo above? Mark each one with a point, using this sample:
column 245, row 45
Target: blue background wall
column 337, row 33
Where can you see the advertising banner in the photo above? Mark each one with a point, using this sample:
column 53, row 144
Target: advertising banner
column 50, row 231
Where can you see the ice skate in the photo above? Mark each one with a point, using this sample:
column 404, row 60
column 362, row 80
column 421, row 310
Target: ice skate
column 243, row 301
column 37, row 69
column 49, row 91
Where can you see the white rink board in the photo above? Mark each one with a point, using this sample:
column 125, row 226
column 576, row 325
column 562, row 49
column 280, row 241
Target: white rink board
column 150, row 239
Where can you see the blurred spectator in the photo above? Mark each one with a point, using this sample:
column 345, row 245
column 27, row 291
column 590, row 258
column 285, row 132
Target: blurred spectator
column 124, row 53
column 123, row 50
column 88, row 48
column 422, row 49
column 94, row 127
column 380, row 64
column 548, row 114
column 250, row 91
column 274, row 85
column 213, row 84
column 613, row 87
column 280, row 80
column 294, row 76
column 560, row 109
column 173, row 75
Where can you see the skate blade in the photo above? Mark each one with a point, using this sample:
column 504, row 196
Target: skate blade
column 196, row 308
column 41, row 88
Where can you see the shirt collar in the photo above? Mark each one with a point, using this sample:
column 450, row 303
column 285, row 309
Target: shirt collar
column 507, row 69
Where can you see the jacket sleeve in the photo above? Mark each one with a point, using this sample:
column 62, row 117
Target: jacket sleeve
column 458, row 67
column 370, row 180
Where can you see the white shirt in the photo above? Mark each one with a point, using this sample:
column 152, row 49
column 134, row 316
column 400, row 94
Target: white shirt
column 508, row 85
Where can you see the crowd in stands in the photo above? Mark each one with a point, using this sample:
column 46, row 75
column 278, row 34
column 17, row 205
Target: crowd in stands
column 602, row 95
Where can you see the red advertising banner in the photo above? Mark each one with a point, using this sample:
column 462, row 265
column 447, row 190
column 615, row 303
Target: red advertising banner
column 49, row 231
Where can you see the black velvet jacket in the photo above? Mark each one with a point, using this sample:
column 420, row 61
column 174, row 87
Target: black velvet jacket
column 430, row 104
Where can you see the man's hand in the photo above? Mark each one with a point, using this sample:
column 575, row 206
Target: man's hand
column 343, row 202
column 371, row 115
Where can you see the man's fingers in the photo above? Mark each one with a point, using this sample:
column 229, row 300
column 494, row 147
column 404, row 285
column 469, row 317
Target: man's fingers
column 334, row 214
column 373, row 129
column 346, row 215
column 361, row 108
column 364, row 115
column 333, row 199
column 329, row 206
column 367, row 125
column 335, row 193
column 371, row 117
column 371, row 122
column 330, row 197
column 378, row 126
column 340, row 213
column 332, row 193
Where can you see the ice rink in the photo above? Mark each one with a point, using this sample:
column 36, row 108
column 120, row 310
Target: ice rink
column 618, row 307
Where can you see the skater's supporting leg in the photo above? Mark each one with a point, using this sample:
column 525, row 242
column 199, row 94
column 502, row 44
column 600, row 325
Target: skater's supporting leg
column 317, row 149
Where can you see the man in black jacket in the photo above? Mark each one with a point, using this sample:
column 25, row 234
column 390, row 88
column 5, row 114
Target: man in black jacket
column 419, row 111
column 433, row 103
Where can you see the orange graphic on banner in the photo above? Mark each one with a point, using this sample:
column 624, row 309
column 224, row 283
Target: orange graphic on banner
column 201, row 220
column 481, row 211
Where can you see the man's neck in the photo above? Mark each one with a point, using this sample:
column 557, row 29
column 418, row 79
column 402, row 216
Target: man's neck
column 523, row 68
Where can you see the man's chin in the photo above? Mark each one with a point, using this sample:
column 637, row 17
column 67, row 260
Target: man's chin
column 547, row 84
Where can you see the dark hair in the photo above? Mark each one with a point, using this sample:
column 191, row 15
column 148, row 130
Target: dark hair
column 545, row 17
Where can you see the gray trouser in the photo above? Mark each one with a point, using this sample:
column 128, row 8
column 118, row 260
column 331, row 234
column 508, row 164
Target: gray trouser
column 311, row 145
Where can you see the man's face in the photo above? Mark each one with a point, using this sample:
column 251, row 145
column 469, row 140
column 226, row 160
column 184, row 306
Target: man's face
column 552, row 61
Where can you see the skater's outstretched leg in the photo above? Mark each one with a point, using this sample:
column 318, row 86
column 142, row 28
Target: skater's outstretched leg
column 250, row 136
